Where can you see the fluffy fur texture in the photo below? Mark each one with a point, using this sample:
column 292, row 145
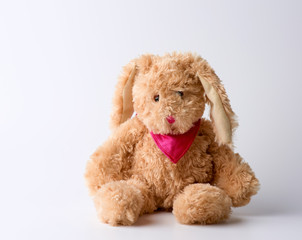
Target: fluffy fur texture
column 129, row 176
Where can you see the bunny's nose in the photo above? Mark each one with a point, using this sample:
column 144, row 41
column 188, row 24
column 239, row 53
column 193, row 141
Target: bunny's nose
column 170, row 119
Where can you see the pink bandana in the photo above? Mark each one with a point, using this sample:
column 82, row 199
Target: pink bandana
column 175, row 146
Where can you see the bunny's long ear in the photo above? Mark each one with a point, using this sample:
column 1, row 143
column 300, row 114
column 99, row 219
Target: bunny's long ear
column 222, row 116
column 122, row 100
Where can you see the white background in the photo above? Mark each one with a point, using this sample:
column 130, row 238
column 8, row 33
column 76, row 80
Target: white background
column 59, row 61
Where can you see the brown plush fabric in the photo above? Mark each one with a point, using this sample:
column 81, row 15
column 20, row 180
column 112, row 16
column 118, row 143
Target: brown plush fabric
column 128, row 175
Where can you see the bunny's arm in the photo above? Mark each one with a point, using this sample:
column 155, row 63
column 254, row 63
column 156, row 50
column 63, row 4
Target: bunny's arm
column 233, row 175
column 111, row 160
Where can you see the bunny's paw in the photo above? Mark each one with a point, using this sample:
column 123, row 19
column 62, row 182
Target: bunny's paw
column 202, row 204
column 243, row 187
column 118, row 203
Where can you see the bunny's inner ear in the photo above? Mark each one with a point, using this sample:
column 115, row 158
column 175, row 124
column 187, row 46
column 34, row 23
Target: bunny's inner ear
column 127, row 97
column 122, row 100
column 219, row 116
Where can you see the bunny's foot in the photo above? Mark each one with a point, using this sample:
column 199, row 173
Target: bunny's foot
column 118, row 203
column 202, row 204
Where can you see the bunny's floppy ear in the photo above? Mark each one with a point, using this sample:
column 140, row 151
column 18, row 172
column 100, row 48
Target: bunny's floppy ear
column 221, row 113
column 122, row 101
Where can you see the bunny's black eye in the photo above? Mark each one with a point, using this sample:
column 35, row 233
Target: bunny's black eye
column 156, row 98
column 180, row 93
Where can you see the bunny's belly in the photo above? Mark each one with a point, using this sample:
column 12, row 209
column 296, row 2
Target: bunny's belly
column 167, row 179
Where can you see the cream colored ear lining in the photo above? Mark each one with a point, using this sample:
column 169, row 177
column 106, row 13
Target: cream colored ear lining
column 127, row 97
column 220, row 118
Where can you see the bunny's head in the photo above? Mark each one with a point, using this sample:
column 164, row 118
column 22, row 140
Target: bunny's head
column 169, row 94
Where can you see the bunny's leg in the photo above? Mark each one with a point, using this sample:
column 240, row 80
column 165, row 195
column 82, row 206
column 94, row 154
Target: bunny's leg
column 122, row 202
column 201, row 203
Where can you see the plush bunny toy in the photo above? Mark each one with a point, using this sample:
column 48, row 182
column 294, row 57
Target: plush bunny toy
column 167, row 156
